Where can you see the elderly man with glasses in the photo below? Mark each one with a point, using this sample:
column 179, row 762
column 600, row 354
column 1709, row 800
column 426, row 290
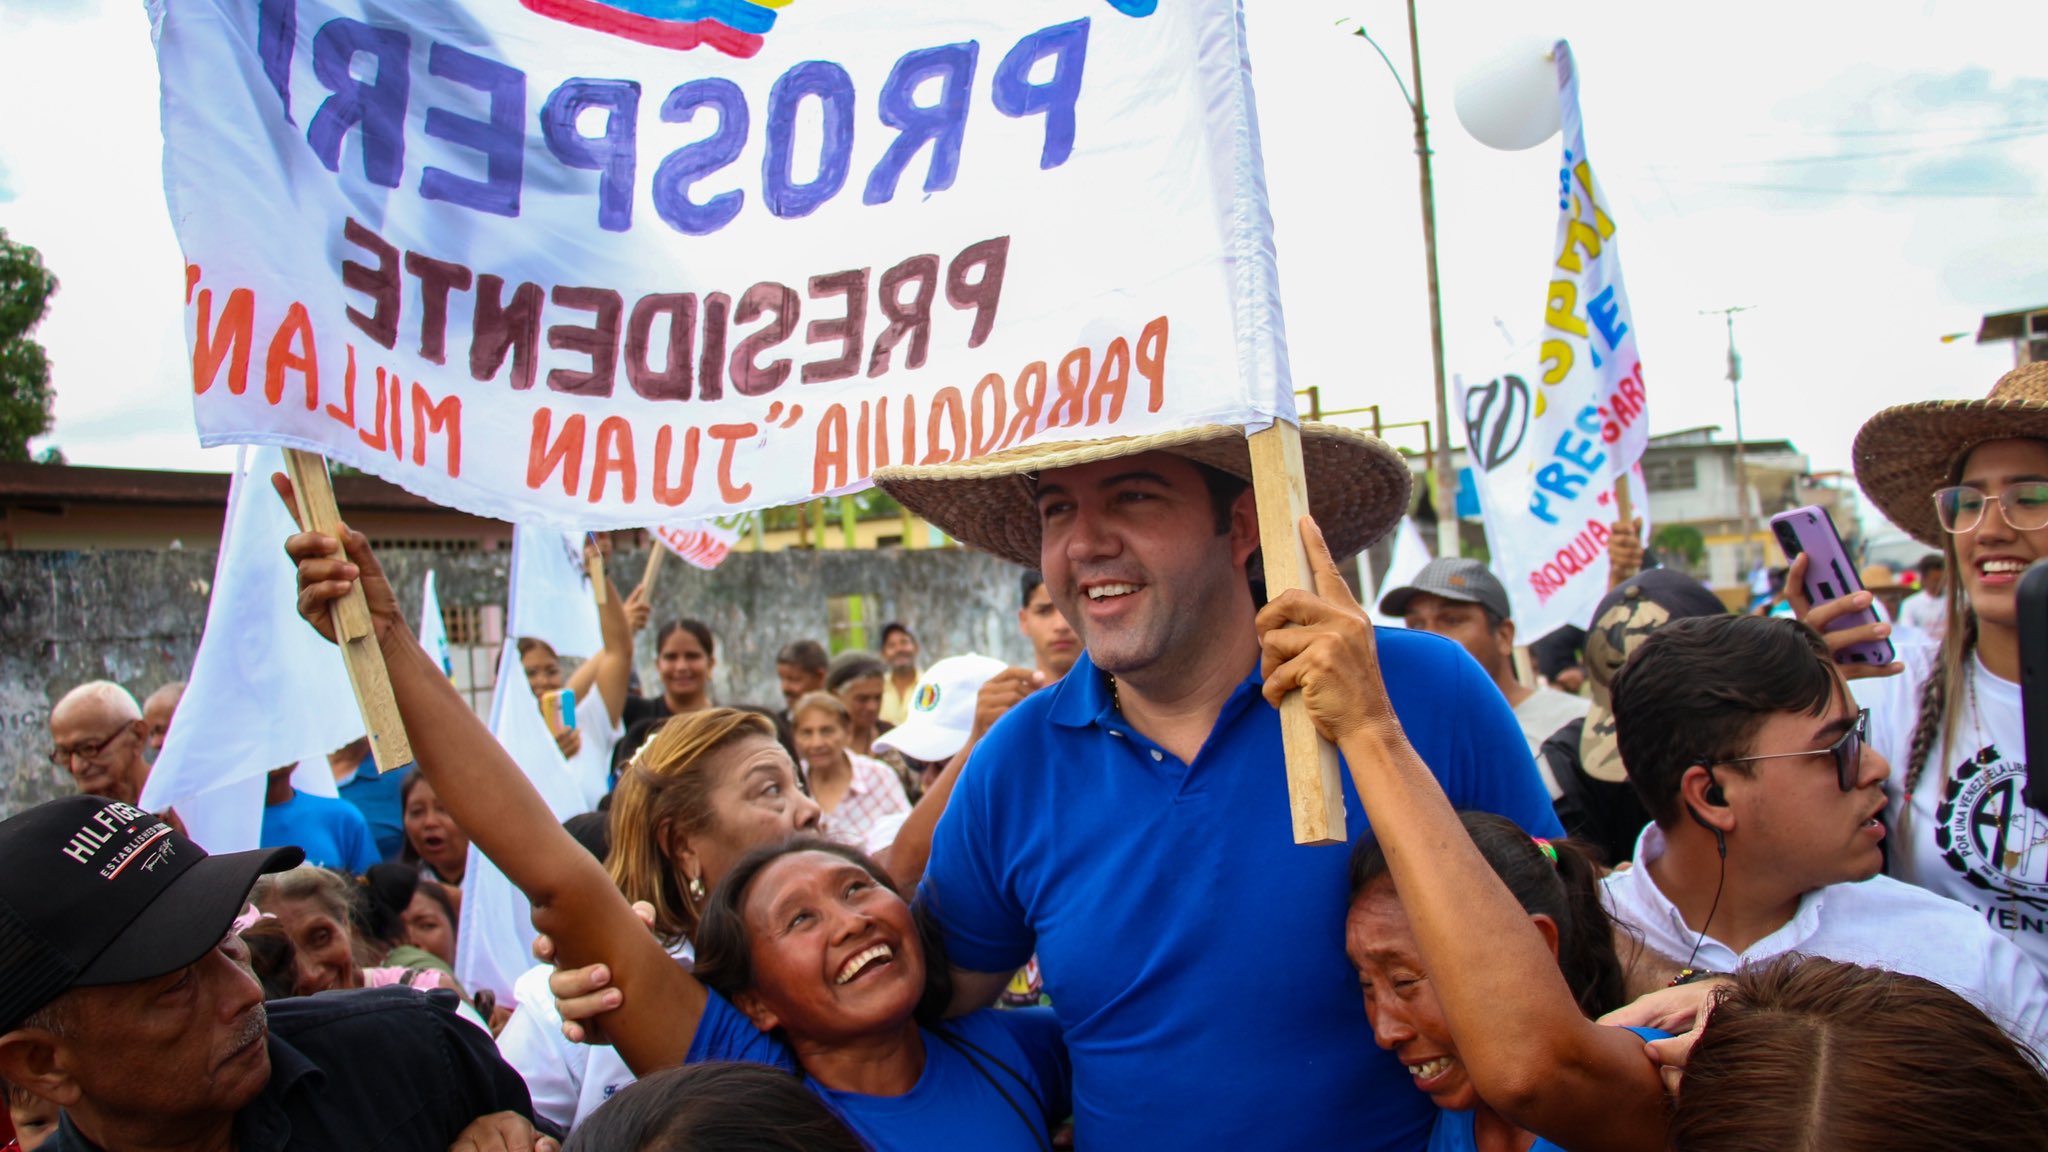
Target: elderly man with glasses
column 97, row 736
column 1767, row 807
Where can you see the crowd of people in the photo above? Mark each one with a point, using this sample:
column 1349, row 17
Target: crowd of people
column 1695, row 884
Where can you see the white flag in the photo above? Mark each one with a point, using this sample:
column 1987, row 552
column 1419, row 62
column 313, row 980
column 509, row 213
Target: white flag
column 434, row 630
column 1410, row 556
column 265, row 689
column 548, row 599
column 551, row 595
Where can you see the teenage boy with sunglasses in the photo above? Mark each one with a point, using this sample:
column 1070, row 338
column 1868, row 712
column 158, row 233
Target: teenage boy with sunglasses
column 1766, row 805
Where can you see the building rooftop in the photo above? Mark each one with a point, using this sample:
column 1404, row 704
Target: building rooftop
column 76, row 484
column 2008, row 325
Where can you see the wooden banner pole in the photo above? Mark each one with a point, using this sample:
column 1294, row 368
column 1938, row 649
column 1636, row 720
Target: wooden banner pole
column 1624, row 511
column 1314, row 791
column 656, row 550
column 352, row 629
column 593, row 563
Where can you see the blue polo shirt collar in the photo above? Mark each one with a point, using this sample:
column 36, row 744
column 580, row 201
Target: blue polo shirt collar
column 1082, row 699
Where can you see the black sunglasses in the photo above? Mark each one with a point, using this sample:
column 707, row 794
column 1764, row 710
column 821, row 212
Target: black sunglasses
column 1847, row 751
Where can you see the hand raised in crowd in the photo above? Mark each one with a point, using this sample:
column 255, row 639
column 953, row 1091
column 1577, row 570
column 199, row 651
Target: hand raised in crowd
column 1624, row 551
column 325, row 576
column 1819, row 616
column 1000, row 693
column 583, row 993
column 570, row 741
column 1321, row 643
column 502, row 1132
column 639, row 609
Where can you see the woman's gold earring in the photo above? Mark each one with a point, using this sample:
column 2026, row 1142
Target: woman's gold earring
column 696, row 889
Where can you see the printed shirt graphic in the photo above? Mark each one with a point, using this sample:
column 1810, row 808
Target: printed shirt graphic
column 1970, row 835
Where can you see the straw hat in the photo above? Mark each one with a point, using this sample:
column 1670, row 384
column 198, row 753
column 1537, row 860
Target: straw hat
column 1357, row 486
column 1903, row 454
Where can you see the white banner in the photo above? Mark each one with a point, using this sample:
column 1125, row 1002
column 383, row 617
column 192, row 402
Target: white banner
column 1549, row 440
column 566, row 262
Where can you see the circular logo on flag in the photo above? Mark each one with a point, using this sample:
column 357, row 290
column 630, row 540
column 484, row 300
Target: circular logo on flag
column 734, row 27
column 927, row 698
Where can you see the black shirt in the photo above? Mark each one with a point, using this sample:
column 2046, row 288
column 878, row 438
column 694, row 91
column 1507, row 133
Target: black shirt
column 379, row 1068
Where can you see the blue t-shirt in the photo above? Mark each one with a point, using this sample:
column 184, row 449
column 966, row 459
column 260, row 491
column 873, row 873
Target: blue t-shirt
column 332, row 833
column 1193, row 952
column 1000, row 1084
column 375, row 795
column 1453, row 1131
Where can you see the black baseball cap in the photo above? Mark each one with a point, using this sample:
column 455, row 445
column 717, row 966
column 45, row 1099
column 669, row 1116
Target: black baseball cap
column 96, row 892
column 1452, row 578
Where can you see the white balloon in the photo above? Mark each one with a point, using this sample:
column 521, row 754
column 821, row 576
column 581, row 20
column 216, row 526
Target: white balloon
column 1509, row 100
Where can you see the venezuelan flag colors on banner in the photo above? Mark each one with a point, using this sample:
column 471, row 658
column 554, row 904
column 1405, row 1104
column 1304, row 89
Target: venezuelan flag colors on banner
column 608, row 263
column 734, row 27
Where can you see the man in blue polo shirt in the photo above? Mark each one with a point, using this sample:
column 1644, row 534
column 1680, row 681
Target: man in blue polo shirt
column 1131, row 823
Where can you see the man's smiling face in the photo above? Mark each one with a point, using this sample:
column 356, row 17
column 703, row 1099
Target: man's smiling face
column 1132, row 557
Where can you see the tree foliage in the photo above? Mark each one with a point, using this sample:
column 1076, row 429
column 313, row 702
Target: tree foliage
column 1681, row 542
column 25, row 394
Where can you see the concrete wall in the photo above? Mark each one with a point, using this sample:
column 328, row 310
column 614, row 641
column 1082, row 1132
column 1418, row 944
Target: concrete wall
column 136, row 617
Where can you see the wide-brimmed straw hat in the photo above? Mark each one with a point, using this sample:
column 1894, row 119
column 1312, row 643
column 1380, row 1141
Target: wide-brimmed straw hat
column 1357, row 486
column 1903, row 454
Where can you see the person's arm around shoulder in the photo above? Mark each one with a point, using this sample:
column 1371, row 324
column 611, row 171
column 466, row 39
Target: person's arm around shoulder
column 986, row 931
column 573, row 898
column 1531, row 1053
column 907, row 855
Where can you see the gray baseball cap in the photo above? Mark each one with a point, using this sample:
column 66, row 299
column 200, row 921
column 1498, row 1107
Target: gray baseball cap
column 1452, row 579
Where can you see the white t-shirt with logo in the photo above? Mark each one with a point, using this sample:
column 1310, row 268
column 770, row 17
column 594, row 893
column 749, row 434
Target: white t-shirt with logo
column 1970, row 835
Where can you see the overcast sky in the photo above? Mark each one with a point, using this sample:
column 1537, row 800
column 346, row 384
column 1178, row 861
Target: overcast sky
column 1867, row 177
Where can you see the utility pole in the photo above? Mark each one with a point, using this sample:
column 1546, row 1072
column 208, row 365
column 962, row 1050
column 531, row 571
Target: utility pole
column 1446, row 477
column 1741, row 461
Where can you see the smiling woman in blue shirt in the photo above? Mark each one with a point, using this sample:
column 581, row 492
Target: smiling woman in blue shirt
column 811, row 960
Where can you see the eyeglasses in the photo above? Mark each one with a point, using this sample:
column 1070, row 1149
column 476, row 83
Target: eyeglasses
column 1847, row 751
column 89, row 750
column 1961, row 508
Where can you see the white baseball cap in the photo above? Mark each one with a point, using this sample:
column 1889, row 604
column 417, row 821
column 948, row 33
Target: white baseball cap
column 941, row 709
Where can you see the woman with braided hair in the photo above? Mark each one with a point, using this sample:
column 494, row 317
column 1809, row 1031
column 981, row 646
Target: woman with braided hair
column 1969, row 478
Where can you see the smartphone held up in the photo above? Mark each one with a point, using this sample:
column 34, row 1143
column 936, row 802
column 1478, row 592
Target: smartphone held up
column 1830, row 575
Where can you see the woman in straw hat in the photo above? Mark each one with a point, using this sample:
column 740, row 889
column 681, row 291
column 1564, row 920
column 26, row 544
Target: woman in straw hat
column 1970, row 478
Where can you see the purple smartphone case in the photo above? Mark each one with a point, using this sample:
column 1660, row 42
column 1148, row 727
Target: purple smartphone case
column 1829, row 576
